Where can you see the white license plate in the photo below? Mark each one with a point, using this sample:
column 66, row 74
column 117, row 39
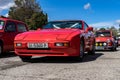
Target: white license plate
column 99, row 47
column 37, row 45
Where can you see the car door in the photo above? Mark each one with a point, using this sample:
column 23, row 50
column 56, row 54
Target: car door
column 10, row 33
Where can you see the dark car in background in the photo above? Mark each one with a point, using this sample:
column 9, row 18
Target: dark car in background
column 118, row 40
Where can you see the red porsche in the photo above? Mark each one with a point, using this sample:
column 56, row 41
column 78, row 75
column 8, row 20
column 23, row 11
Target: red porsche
column 57, row 38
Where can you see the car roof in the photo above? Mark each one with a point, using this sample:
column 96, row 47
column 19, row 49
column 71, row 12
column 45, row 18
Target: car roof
column 66, row 21
column 6, row 19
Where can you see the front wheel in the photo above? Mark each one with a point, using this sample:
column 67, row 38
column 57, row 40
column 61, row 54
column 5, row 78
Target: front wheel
column 25, row 58
column 81, row 52
column 1, row 49
column 114, row 49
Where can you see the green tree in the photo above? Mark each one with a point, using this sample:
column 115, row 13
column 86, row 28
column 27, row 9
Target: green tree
column 114, row 30
column 102, row 29
column 29, row 12
column 37, row 20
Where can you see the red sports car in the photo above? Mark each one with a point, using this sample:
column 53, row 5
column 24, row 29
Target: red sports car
column 57, row 38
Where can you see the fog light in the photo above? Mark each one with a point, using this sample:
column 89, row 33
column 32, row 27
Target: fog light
column 100, row 44
column 104, row 44
column 18, row 44
column 96, row 44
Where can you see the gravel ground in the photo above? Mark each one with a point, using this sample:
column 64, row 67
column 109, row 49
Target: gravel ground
column 104, row 65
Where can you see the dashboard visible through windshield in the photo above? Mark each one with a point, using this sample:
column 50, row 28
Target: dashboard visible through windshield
column 63, row 25
column 102, row 34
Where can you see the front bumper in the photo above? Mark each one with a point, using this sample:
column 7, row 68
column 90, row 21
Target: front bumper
column 71, row 50
column 101, row 46
column 51, row 52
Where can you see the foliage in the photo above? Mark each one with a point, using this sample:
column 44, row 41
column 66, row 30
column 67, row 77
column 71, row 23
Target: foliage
column 114, row 30
column 102, row 29
column 29, row 12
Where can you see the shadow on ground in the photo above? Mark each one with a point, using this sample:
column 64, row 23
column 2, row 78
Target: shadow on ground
column 106, row 50
column 7, row 55
column 87, row 58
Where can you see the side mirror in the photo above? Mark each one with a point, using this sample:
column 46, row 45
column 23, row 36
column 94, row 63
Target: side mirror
column 38, row 28
column 89, row 29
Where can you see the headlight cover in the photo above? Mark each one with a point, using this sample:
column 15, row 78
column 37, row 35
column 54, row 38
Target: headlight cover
column 104, row 44
column 61, row 44
column 18, row 44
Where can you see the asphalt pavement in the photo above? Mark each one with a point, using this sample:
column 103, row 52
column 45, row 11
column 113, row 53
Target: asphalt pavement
column 104, row 65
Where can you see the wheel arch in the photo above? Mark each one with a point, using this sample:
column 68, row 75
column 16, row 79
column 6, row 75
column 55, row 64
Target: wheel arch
column 1, row 42
column 82, row 38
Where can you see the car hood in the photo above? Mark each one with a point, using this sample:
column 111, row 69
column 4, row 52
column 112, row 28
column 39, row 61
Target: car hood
column 47, row 34
column 102, row 39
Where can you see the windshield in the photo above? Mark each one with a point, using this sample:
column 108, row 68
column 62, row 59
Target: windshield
column 64, row 24
column 1, row 24
column 102, row 34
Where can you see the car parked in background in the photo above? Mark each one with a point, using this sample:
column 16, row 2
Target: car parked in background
column 105, row 40
column 9, row 28
column 57, row 38
column 118, row 41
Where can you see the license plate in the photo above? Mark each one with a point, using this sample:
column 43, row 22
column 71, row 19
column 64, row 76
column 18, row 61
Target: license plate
column 99, row 47
column 37, row 45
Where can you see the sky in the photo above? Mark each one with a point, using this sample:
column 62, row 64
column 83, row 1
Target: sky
column 96, row 13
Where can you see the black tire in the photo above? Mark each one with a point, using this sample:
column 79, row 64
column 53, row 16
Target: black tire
column 25, row 58
column 1, row 49
column 114, row 49
column 92, row 52
column 81, row 54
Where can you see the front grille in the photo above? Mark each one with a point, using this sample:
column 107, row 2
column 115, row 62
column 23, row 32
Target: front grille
column 39, row 49
column 41, row 52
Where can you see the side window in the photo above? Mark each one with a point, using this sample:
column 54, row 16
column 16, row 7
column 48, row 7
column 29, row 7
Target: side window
column 21, row 27
column 85, row 26
column 10, row 27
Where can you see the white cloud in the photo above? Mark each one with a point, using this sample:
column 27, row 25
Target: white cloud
column 102, row 24
column 5, row 2
column 118, row 21
column 87, row 6
column 5, row 5
column 106, row 24
column 6, row 15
